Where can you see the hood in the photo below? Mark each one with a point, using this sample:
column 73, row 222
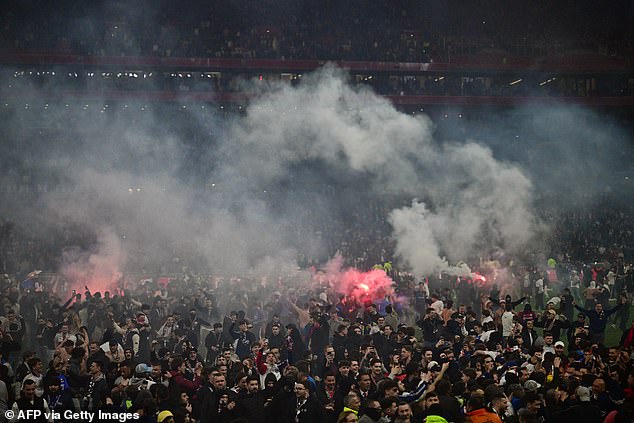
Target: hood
column 478, row 412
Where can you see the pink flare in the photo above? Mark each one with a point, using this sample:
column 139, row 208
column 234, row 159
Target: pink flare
column 365, row 286
column 479, row 277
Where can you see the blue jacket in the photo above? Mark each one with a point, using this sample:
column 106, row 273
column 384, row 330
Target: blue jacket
column 598, row 322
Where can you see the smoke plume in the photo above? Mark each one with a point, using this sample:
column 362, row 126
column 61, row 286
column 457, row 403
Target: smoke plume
column 157, row 188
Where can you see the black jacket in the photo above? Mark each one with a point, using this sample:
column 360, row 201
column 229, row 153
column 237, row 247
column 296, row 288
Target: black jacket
column 586, row 412
column 206, row 404
column 312, row 411
column 253, row 405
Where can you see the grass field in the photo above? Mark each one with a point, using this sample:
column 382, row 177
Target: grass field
column 613, row 335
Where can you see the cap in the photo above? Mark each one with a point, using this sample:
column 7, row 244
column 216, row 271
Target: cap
column 142, row 368
column 531, row 385
column 457, row 315
column 559, row 344
column 583, row 393
column 163, row 415
column 433, row 366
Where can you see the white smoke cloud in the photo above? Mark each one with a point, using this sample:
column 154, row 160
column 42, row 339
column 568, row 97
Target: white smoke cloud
column 133, row 178
column 475, row 197
column 101, row 268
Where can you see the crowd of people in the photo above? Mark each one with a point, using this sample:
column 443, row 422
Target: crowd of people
column 354, row 30
column 523, row 343
column 294, row 349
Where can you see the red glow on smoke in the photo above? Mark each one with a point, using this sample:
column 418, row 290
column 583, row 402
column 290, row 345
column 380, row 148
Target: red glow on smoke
column 365, row 286
column 94, row 285
column 479, row 278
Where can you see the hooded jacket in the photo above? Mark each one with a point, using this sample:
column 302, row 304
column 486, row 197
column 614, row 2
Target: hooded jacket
column 482, row 415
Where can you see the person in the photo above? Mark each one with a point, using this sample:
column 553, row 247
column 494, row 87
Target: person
column 330, row 395
column 29, row 401
column 254, row 402
column 207, row 396
column 317, row 332
column 64, row 335
column 389, row 408
column 244, row 338
column 430, row 324
column 97, row 387
column 404, row 412
column 165, row 416
column 575, row 285
column 36, row 375
column 540, row 290
column 576, row 327
column 581, row 410
column 624, row 414
column 23, row 369
column 364, row 385
column 478, row 413
column 215, row 342
column 553, row 323
column 177, row 373
column 434, row 414
column 347, row 417
column 306, row 408
column 529, row 334
column 566, row 305
column 627, row 339
column 527, row 314
column 371, row 412
column 598, row 320
column 6, row 393
column 276, row 340
column 293, row 344
column 327, row 363
column 452, row 409
column 622, row 316
column 352, row 402
column 58, row 399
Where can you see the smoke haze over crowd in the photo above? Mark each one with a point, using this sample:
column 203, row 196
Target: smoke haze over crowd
column 151, row 187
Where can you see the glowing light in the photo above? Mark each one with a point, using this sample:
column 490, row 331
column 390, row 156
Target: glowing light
column 478, row 277
column 365, row 286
